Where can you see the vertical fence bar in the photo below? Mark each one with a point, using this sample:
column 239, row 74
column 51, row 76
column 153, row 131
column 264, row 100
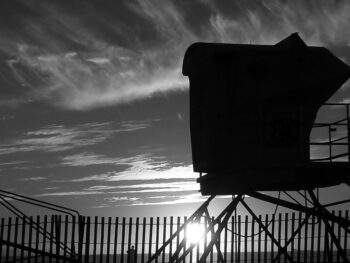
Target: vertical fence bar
column 129, row 239
column 58, row 236
column 144, row 224
column 72, row 239
column 23, row 242
column 115, row 240
column 232, row 238
column 345, row 232
column 246, row 239
column 87, row 240
column 306, row 228
column 37, row 238
column 178, row 235
column 273, row 234
column 109, row 226
column 15, row 241
column 8, row 238
column 44, row 239
column 225, row 243
column 136, row 239
column 95, row 240
column 339, row 236
column 157, row 237
column 150, row 237
column 170, row 234
column 292, row 242
column 143, row 240
column 30, row 238
column 239, row 240
column 164, row 238
column 252, row 240
column 312, row 239
column 286, row 223
column 279, row 234
column 123, row 241
column 299, row 238
column 212, row 250
column 81, row 227
column 259, row 239
column 2, row 227
column 319, row 237
column 265, row 237
column 331, row 250
column 184, row 249
column 73, row 250
column 102, row 231
column 65, row 237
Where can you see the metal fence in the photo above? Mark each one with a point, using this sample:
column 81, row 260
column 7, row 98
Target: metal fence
column 99, row 239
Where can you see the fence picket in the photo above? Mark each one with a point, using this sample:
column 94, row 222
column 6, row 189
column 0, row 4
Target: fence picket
column 9, row 226
column 87, row 240
column 95, row 239
column 136, row 238
column 37, row 238
column 164, row 237
column 115, row 240
column 30, row 238
column 143, row 240
column 102, row 235
column 123, row 241
column 109, row 226
column 129, row 239
column 15, row 241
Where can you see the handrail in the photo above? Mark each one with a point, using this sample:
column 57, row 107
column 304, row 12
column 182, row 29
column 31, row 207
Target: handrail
column 343, row 122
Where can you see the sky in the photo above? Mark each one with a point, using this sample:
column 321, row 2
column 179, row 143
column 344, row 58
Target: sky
column 94, row 110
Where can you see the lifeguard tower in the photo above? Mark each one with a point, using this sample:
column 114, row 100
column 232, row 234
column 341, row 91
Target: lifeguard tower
column 252, row 109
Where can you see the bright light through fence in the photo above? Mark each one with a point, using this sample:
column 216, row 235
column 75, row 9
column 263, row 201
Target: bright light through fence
column 194, row 232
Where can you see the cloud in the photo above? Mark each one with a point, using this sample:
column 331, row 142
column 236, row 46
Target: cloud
column 56, row 138
column 77, row 193
column 178, row 186
column 78, row 67
column 267, row 22
column 140, row 168
column 184, row 199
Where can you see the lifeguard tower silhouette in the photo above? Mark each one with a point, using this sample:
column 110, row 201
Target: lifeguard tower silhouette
column 252, row 109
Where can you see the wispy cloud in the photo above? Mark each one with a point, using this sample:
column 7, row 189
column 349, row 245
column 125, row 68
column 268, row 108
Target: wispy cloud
column 178, row 186
column 73, row 193
column 56, row 138
column 81, row 69
column 140, row 168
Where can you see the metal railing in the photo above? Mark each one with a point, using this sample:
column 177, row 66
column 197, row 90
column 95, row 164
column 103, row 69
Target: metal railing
column 337, row 147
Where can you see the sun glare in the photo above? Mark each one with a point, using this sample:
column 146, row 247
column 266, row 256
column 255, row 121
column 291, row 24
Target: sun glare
column 194, row 232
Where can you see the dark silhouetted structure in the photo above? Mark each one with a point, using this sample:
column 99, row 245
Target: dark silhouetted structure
column 252, row 109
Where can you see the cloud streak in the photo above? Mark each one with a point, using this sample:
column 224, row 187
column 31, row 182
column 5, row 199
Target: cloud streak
column 57, row 138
